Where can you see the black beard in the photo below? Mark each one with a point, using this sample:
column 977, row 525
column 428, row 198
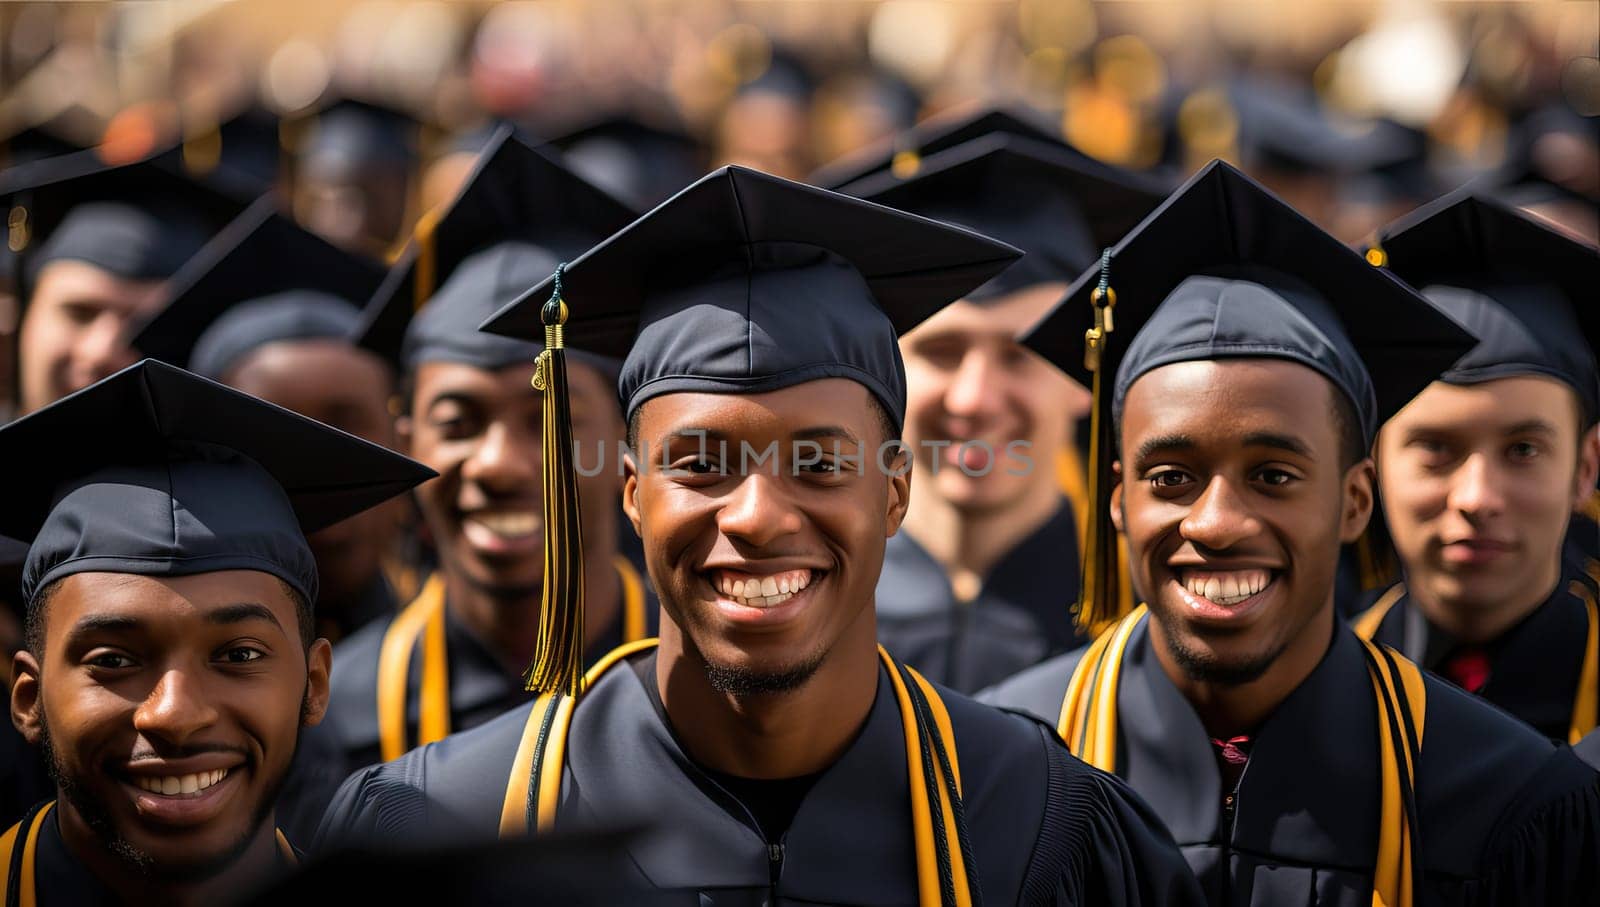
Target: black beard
column 1202, row 667
column 749, row 682
column 98, row 818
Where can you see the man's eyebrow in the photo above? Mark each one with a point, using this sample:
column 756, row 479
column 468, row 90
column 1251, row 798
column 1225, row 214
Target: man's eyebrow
column 94, row 623
column 1163, row 444
column 239, row 612
column 693, row 434
column 1280, row 442
column 825, row 431
column 1531, row 427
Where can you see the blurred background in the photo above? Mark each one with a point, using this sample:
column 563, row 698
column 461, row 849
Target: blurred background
column 363, row 114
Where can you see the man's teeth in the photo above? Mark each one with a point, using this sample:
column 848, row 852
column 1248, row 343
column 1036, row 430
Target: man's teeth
column 180, row 784
column 1225, row 587
column 510, row 524
column 762, row 591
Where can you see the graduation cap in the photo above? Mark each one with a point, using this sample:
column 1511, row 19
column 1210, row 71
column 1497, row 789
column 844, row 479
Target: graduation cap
column 902, row 154
column 1525, row 290
column 1285, row 127
column 642, row 161
column 519, row 213
column 201, row 478
column 261, row 280
column 138, row 221
column 1225, row 270
column 742, row 283
column 1060, row 210
column 348, row 133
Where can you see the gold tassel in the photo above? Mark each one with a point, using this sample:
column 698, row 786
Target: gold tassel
column 425, row 273
column 1101, row 602
column 558, row 655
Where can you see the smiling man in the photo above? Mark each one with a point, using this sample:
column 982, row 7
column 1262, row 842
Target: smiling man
column 1293, row 762
column 453, row 658
column 980, row 581
column 1480, row 474
column 97, row 245
column 171, row 663
column 780, row 754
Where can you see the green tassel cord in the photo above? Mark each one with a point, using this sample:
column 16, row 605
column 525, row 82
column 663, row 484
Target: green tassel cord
column 558, row 654
column 1102, row 600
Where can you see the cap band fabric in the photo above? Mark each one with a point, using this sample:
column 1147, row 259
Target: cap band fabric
column 294, row 315
column 129, row 241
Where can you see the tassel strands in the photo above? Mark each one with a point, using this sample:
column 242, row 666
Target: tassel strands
column 1101, row 601
column 558, row 654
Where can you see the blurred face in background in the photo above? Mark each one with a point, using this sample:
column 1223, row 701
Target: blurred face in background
column 73, row 329
column 969, row 380
column 767, row 131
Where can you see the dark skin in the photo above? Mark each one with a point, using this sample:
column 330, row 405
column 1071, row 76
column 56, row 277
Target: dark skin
column 349, row 389
column 1234, row 465
column 482, row 432
column 703, row 518
column 155, row 677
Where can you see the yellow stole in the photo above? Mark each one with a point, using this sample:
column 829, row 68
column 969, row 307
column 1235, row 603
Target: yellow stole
column 1088, row 724
column 533, row 791
column 424, row 619
column 19, row 890
column 1585, row 702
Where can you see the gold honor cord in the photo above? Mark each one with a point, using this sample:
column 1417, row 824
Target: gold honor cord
column 425, row 618
column 1586, row 699
column 1088, row 724
column 558, row 651
column 1102, row 601
column 18, row 880
column 533, row 791
column 425, row 272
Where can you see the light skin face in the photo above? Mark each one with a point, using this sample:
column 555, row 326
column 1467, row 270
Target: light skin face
column 349, row 389
column 482, row 432
column 730, row 667
column 1234, row 504
column 968, row 379
column 150, row 678
column 73, row 329
column 1478, row 484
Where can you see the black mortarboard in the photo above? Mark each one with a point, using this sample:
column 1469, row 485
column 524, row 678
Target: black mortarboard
column 641, row 161
column 347, row 134
column 902, row 154
column 518, row 214
column 1060, row 210
column 138, row 220
column 1285, row 127
column 741, row 283
column 201, row 478
column 1224, row 270
column 1526, row 291
column 262, row 279
column 745, row 283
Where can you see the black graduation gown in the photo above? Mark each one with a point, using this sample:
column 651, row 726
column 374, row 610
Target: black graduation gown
column 480, row 686
column 1505, row 816
column 1021, row 615
column 1045, row 828
column 1588, row 749
column 1534, row 666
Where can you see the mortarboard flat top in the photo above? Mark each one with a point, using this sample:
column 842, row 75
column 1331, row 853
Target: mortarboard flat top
column 1060, row 210
column 137, row 221
column 1527, row 291
column 200, row 478
column 519, row 212
column 642, row 161
column 347, row 133
column 1285, row 127
column 1223, row 269
column 746, row 283
column 261, row 254
column 903, row 153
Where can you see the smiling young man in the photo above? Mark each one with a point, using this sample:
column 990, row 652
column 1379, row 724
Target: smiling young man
column 965, row 594
column 778, row 752
column 97, row 245
column 1480, row 474
column 1254, row 359
column 453, row 658
column 171, row 663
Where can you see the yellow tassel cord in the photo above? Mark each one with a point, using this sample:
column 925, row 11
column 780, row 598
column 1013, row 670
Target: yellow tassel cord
column 558, row 654
column 1586, row 704
column 426, row 271
column 1102, row 601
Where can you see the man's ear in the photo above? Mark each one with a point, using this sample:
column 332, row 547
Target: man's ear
column 319, row 666
column 630, row 491
column 1359, row 497
column 899, row 468
column 1588, row 469
column 403, row 433
column 26, row 711
column 1116, row 497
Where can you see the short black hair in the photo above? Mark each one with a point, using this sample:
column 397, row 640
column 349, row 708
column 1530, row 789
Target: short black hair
column 1352, row 439
column 891, row 432
column 34, row 617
